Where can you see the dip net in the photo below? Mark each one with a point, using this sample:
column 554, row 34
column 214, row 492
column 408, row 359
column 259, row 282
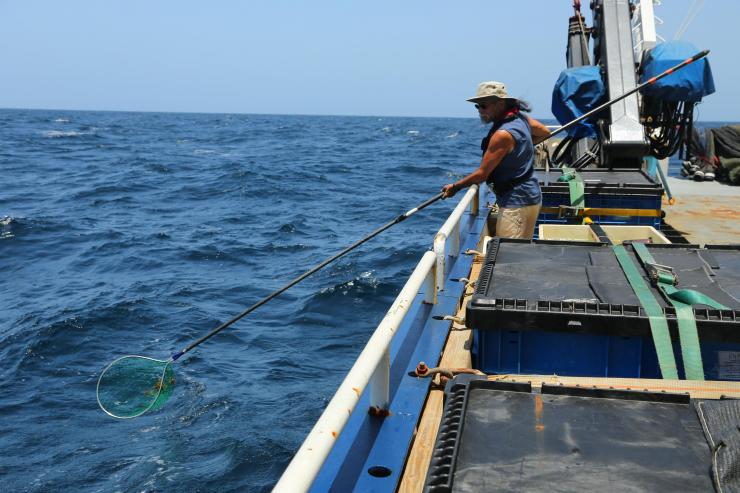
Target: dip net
column 133, row 385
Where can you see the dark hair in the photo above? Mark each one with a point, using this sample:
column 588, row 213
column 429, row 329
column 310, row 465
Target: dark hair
column 519, row 104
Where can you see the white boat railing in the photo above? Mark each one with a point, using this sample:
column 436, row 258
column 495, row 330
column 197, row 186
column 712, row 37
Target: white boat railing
column 373, row 364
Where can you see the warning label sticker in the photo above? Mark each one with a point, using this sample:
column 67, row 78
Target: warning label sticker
column 729, row 365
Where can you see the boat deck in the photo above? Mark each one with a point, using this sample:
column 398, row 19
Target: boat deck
column 704, row 212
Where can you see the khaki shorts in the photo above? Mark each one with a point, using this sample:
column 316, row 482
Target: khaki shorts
column 517, row 222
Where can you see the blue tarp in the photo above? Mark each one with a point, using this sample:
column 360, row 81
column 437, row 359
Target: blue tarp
column 689, row 84
column 577, row 91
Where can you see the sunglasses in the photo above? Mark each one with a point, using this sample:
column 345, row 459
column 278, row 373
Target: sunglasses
column 481, row 106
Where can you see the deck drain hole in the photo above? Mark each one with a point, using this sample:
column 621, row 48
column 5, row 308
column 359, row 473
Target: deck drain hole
column 379, row 471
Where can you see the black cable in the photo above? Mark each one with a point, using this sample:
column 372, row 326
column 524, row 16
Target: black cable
column 589, row 156
column 563, row 148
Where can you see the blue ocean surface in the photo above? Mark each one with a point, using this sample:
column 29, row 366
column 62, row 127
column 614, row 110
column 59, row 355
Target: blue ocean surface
column 136, row 233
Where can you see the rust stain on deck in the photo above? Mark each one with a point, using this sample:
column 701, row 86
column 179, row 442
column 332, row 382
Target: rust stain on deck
column 538, row 408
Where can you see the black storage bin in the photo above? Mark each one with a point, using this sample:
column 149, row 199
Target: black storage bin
column 497, row 436
column 567, row 308
column 603, row 188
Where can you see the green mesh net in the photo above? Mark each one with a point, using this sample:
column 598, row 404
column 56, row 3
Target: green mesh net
column 133, row 385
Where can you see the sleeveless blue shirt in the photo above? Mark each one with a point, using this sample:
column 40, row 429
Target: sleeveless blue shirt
column 515, row 164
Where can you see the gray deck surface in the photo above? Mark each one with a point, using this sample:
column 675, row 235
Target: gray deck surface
column 705, row 212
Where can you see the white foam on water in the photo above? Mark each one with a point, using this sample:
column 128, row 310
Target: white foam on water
column 5, row 228
column 53, row 134
column 58, row 133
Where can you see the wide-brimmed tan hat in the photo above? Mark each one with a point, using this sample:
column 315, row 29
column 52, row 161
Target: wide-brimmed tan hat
column 490, row 89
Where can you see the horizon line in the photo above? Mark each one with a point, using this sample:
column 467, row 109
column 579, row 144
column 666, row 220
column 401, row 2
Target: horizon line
column 2, row 108
column 180, row 112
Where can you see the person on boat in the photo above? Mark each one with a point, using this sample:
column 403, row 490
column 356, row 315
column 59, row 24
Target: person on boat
column 507, row 163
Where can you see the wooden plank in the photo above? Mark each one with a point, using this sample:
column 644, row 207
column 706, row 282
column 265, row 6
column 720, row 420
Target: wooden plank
column 705, row 389
column 456, row 354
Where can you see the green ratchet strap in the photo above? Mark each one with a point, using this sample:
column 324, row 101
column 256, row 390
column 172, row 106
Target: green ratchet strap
column 575, row 186
column 682, row 299
column 656, row 317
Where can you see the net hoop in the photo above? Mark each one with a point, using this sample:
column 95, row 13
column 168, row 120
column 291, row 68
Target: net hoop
column 155, row 398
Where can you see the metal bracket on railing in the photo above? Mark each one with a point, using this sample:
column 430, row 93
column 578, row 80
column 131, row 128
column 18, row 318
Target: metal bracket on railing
column 445, row 374
column 465, row 280
column 470, row 251
column 457, row 320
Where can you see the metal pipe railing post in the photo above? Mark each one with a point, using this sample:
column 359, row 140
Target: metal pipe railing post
column 475, row 202
column 440, row 245
column 454, row 249
column 380, row 383
column 430, row 286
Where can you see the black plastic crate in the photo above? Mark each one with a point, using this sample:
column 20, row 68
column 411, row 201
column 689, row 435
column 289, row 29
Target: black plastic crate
column 603, row 188
column 497, row 436
column 602, row 181
column 567, row 308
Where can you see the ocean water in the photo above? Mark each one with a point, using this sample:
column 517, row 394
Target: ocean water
column 136, row 233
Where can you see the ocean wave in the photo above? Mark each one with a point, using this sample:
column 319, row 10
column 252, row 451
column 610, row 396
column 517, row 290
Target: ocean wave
column 319, row 309
column 272, row 247
column 288, row 228
column 416, row 169
column 6, row 228
column 13, row 227
column 47, row 344
column 241, row 255
column 361, row 284
column 102, row 192
column 299, row 224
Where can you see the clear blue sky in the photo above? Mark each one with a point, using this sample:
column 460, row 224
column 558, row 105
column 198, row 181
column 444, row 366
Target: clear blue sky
column 341, row 57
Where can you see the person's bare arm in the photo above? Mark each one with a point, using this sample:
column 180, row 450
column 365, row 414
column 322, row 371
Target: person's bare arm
column 500, row 145
column 539, row 130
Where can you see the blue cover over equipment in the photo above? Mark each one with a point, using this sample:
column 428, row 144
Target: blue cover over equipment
column 577, row 91
column 689, row 84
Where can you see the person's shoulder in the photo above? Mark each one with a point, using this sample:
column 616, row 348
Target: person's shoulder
column 502, row 138
column 503, row 135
